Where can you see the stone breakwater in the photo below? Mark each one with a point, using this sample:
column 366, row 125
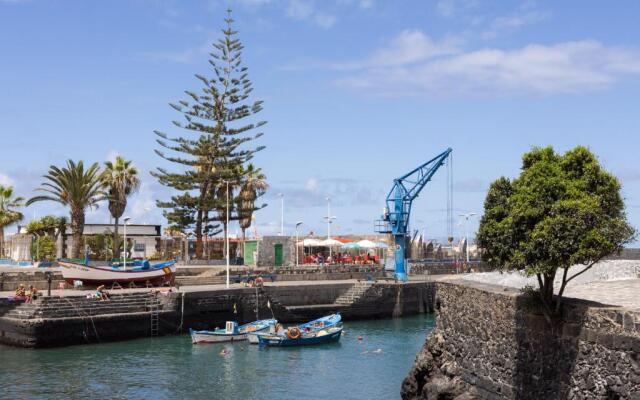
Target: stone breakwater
column 491, row 342
column 67, row 320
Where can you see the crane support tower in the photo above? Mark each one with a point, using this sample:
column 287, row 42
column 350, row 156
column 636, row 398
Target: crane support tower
column 396, row 214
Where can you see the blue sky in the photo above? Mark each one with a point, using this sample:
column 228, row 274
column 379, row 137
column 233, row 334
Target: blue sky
column 356, row 93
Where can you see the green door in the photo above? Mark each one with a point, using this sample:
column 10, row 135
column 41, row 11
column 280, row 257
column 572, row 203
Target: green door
column 277, row 250
column 250, row 247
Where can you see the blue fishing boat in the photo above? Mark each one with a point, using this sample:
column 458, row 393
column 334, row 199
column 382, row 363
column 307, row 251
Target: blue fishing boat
column 232, row 332
column 293, row 337
column 315, row 325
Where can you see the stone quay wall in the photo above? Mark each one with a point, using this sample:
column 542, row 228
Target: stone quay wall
column 493, row 343
column 60, row 321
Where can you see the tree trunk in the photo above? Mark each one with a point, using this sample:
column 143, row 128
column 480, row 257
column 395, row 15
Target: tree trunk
column 198, row 232
column 242, row 244
column 116, row 247
column 77, row 228
column 1, row 241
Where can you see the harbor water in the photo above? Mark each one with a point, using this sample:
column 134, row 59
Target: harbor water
column 369, row 362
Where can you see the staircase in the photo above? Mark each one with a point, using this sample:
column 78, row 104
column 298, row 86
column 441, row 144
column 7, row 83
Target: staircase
column 354, row 293
column 80, row 306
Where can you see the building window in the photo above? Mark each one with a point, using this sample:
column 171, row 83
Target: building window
column 139, row 247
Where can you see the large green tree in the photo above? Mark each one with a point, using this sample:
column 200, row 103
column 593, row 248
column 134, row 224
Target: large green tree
column 217, row 141
column 120, row 178
column 8, row 213
column 75, row 187
column 563, row 214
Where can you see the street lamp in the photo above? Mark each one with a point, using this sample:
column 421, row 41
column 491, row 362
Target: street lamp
column 466, row 238
column 124, row 229
column 297, row 225
column 226, row 234
column 329, row 218
column 281, row 214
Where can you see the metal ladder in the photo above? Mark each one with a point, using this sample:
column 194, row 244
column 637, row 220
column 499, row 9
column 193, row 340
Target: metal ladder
column 153, row 303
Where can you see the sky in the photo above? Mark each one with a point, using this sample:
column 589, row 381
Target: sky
column 356, row 93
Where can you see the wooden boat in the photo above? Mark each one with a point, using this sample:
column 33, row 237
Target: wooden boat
column 157, row 274
column 317, row 324
column 293, row 337
column 232, row 332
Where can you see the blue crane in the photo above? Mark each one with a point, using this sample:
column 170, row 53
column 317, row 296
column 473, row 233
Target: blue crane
column 395, row 218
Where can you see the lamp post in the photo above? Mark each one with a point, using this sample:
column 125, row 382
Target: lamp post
column 124, row 230
column 226, row 234
column 329, row 218
column 466, row 238
column 297, row 257
column 281, row 214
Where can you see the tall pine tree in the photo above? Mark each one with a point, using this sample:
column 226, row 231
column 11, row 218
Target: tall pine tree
column 217, row 145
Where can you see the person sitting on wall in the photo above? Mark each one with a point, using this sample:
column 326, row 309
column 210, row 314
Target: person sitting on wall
column 259, row 281
column 20, row 294
column 33, row 294
column 102, row 294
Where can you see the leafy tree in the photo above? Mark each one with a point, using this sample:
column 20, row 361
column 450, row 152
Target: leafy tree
column 253, row 186
column 217, row 145
column 43, row 248
column 8, row 214
column 77, row 188
column 564, row 212
column 48, row 225
column 120, row 179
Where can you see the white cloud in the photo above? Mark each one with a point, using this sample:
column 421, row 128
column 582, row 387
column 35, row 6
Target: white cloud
column 564, row 67
column 304, row 10
column 5, row 180
column 365, row 3
column 182, row 56
column 512, row 22
column 311, row 184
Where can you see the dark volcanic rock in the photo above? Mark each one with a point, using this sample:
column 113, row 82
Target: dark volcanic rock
column 495, row 344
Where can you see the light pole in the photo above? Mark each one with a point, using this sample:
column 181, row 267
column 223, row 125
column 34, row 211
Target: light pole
column 281, row 214
column 124, row 229
column 226, row 234
column 329, row 218
column 466, row 238
column 297, row 225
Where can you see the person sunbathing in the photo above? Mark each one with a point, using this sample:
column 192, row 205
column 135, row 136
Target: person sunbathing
column 20, row 293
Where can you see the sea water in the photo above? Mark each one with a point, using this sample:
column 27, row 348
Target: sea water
column 370, row 362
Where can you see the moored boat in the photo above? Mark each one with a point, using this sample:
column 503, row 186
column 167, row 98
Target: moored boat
column 232, row 332
column 157, row 274
column 315, row 325
column 293, row 337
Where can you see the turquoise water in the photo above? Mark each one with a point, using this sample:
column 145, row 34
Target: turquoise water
column 171, row 367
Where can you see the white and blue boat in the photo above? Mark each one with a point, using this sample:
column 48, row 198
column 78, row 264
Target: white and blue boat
column 315, row 325
column 293, row 337
column 232, row 332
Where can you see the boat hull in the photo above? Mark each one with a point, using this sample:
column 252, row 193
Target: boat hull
column 99, row 275
column 283, row 341
column 216, row 338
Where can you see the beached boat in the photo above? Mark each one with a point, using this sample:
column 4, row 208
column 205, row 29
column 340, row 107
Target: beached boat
column 315, row 325
column 157, row 274
column 232, row 332
column 293, row 337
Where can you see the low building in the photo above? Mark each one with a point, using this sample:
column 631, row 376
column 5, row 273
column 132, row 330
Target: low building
column 146, row 238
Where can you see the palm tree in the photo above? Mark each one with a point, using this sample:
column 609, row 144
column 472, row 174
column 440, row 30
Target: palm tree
column 8, row 215
column 77, row 188
column 253, row 186
column 120, row 179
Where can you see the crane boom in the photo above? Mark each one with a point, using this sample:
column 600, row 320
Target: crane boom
column 405, row 189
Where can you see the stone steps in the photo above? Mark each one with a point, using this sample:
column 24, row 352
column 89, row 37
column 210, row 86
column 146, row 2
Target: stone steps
column 353, row 294
column 200, row 280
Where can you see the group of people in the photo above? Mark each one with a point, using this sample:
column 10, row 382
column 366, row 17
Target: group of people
column 340, row 258
column 22, row 294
